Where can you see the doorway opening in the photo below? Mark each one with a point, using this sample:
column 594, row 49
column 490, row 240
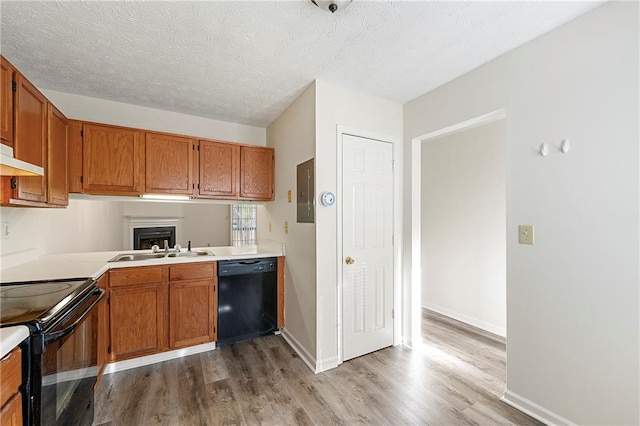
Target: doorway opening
column 458, row 216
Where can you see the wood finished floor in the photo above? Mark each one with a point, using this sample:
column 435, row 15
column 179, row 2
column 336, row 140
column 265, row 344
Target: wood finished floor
column 456, row 378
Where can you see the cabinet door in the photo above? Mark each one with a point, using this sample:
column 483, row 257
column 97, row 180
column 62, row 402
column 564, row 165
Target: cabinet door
column 192, row 313
column 11, row 413
column 58, row 193
column 137, row 321
column 74, row 156
column 219, row 169
column 113, row 160
column 30, row 142
column 6, row 102
column 103, row 327
column 256, row 173
column 10, row 375
column 169, row 164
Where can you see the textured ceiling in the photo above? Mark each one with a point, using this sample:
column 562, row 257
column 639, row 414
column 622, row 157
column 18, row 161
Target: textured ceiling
column 245, row 62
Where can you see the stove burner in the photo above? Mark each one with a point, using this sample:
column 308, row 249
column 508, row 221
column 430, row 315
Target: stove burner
column 33, row 290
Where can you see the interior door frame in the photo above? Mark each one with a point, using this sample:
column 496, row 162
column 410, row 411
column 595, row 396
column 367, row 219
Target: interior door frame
column 413, row 333
column 397, row 227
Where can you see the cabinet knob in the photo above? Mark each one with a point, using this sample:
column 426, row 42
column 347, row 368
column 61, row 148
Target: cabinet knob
column 349, row 260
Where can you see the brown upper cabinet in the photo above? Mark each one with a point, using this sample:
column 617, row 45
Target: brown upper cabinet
column 38, row 134
column 74, row 155
column 169, row 164
column 7, row 88
column 256, row 173
column 113, row 160
column 219, row 169
column 29, row 144
column 57, row 158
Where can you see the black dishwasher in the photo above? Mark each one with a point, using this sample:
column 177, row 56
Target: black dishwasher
column 247, row 299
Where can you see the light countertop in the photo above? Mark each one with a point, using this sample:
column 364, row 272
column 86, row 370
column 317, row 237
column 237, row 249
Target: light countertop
column 10, row 337
column 85, row 265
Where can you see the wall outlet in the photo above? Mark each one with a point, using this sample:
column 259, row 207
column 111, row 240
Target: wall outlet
column 269, row 226
column 526, row 234
column 5, row 230
column 286, row 227
column 289, row 196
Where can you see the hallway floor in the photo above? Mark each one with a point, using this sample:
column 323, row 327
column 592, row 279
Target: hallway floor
column 455, row 378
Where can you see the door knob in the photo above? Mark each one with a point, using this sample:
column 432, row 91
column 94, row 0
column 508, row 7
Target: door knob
column 349, row 260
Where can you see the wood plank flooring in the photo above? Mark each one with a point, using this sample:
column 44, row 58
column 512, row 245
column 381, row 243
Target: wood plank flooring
column 455, row 378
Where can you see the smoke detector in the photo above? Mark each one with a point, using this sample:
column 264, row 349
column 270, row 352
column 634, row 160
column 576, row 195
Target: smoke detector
column 331, row 5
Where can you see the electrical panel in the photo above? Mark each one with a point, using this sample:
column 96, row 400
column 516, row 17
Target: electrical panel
column 305, row 192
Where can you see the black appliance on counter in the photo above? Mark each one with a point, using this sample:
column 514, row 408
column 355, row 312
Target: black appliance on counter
column 247, row 299
column 59, row 358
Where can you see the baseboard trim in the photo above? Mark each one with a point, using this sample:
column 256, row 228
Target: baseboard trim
column 534, row 410
column 482, row 325
column 128, row 364
column 461, row 324
column 302, row 352
column 326, row 364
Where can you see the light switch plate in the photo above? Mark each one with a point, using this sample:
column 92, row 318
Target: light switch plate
column 526, row 234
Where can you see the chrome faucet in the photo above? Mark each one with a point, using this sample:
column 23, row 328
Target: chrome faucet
column 166, row 246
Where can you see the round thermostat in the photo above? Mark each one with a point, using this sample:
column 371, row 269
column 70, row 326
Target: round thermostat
column 327, row 198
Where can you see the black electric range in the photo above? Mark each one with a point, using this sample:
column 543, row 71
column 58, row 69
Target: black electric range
column 59, row 362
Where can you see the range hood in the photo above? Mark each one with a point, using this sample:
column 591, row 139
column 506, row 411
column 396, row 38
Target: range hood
column 10, row 166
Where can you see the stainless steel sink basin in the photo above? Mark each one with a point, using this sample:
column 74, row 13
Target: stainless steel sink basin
column 136, row 256
column 129, row 257
column 191, row 254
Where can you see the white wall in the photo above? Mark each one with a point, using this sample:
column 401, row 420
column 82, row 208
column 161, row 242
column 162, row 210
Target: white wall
column 339, row 106
column 203, row 224
column 572, row 298
column 206, row 225
column 83, row 226
column 109, row 112
column 464, row 260
column 292, row 135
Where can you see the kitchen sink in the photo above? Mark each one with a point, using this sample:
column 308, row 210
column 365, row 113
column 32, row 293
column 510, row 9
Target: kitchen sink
column 136, row 256
column 191, row 254
column 130, row 257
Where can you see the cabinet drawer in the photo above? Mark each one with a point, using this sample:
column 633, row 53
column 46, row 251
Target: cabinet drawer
column 135, row 276
column 192, row 271
column 11, row 374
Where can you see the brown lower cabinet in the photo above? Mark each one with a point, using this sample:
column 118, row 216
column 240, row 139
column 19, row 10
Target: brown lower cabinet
column 192, row 304
column 137, row 311
column 10, row 396
column 151, row 314
column 103, row 327
column 152, row 309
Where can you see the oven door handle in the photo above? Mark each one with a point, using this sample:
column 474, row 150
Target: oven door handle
column 52, row 337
